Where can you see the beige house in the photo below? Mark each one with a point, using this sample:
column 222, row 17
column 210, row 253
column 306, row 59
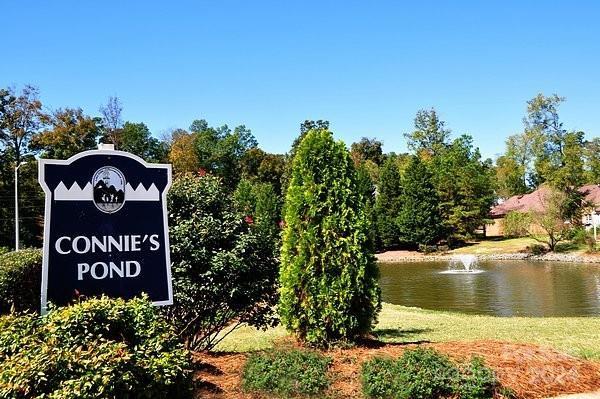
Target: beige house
column 534, row 201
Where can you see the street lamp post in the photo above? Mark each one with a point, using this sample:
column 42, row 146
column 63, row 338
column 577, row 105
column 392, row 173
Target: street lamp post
column 17, row 204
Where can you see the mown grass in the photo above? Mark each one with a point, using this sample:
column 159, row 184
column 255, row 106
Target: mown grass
column 496, row 246
column 575, row 335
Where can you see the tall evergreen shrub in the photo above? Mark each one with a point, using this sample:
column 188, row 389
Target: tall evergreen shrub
column 419, row 221
column 329, row 291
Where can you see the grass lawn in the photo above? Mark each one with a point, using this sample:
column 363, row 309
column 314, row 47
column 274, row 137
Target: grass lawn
column 578, row 336
column 491, row 246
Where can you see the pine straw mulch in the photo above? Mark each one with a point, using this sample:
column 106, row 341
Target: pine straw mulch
column 530, row 371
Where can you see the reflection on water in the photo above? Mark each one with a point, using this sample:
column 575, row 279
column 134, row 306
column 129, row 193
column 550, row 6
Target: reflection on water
column 507, row 288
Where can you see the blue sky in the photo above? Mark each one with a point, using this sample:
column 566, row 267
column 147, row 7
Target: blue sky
column 367, row 67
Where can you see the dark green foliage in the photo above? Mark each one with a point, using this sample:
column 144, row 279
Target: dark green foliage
column 287, row 373
column 426, row 374
column 224, row 267
column 101, row 348
column 464, row 186
column 419, row 221
column 220, row 150
column 137, row 139
column 261, row 206
column 328, row 276
column 20, row 280
column 477, row 380
column 388, row 205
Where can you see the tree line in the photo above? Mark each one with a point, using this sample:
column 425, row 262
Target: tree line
column 439, row 192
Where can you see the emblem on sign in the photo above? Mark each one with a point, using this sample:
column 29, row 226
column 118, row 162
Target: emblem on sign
column 109, row 189
column 105, row 228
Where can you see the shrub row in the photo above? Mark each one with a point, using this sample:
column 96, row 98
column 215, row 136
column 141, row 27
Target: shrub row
column 101, row 348
column 20, row 280
column 417, row 374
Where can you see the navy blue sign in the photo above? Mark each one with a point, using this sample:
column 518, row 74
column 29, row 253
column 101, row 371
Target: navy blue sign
column 105, row 229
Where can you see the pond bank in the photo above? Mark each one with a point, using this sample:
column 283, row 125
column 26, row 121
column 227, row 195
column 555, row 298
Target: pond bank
column 412, row 256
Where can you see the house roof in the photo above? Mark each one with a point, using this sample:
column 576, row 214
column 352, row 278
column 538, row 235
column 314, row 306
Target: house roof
column 534, row 201
column 592, row 194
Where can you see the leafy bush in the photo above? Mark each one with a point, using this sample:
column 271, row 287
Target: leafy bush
column 477, row 381
column 424, row 374
column 420, row 373
column 536, row 249
column 287, row 373
column 20, row 280
column 329, row 291
column 4, row 250
column 516, row 224
column 224, row 267
column 101, row 348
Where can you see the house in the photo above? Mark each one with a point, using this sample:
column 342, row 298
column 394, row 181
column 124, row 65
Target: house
column 534, row 201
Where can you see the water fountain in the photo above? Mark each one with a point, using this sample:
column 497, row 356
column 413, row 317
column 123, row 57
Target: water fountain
column 468, row 263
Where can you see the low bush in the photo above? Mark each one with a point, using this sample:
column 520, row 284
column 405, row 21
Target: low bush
column 20, row 280
column 425, row 374
column 101, row 348
column 477, row 380
column 536, row 249
column 287, row 372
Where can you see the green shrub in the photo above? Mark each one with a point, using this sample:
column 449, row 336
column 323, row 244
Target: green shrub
column 287, row 373
column 20, row 280
column 417, row 374
column 4, row 250
column 477, row 380
column 329, row 290
column 536, row 249
column 224, row 267
column 516, row 224
column 426, row 374
column 101, row 348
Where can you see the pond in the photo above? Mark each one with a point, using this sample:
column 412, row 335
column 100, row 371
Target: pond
column 503, row 288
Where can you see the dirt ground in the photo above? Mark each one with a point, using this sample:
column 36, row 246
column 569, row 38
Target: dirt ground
column 530, row 371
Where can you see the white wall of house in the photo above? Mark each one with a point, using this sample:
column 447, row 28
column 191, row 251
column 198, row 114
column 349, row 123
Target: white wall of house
column 589, row 219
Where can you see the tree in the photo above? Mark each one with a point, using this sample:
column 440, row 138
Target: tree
column 183, row 155
column 328, row 276
column 21, row 117
column 388, row 205
column 70, row 133
column 521, row 151
column 367, row 150
column 464, row 184
column 137, row 139
column 592, row 161
column 112, row 121
column 550, row 222
column 220, row 150
column 430, row 134
column 509, row 177
column 419, row 221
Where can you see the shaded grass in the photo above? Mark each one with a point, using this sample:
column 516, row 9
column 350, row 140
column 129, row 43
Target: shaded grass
column 575, row 335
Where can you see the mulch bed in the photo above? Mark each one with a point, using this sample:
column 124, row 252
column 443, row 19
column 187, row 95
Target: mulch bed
column 530, row 371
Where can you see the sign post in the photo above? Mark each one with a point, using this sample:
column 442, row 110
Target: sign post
column 105, row 228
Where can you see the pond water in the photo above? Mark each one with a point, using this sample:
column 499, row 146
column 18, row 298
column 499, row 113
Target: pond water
column 504, row 288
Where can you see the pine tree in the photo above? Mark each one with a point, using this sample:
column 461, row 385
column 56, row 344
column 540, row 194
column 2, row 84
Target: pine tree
column 328, row 277
column 387, row 204
column 419, row 221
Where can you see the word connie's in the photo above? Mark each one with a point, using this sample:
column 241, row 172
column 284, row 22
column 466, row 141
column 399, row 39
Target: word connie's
column 124, row 243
